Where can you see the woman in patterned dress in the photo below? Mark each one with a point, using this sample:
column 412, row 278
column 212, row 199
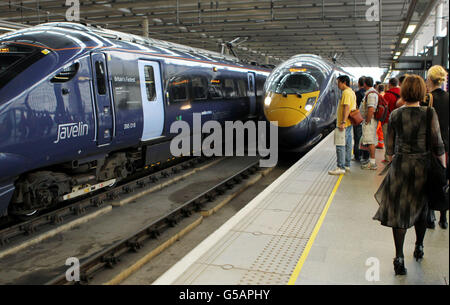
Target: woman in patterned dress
column 401, row 195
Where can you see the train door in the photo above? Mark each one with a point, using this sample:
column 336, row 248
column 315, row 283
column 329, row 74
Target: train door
column 102, row 97
column 152, row 99
column 252, row 92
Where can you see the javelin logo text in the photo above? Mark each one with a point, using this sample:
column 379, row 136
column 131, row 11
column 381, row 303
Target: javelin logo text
column 71, row 130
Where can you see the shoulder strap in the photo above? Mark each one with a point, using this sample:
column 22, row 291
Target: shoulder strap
column 430, row 100
column 392, row 92
column 428, row 133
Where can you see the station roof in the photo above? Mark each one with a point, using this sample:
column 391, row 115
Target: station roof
column 268, row 30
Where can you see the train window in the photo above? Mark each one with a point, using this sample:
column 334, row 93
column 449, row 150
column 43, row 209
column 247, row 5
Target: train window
column 178, row 88
column 293, row 83
column 101, row 77
column 251, row 88
column 214, row 89
column 14, row 59
column 66, row 74
column 150, row 83
column 242, row 88
column 228, row 88
column 200, row 88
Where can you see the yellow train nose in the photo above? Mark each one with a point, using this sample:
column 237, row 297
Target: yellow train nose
column 290, row 109
column 285, row 116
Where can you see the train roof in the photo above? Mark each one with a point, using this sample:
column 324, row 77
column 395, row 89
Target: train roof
column 315, row 60
column 91, row 36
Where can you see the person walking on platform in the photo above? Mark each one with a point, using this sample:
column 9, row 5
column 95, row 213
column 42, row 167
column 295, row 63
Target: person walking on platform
column 391, row 96
column 401, row 196
column 344, row 126
column 439, row 101
column 370, row 124
column 360, row 155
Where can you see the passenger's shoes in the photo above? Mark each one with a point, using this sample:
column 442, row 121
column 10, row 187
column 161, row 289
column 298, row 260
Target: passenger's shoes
column 399, row 266
column 385, row 161
column 418, row 252
column 338, row 171
column 364, row 161
column 443, row 225
column 347, row 169
column 379, row 147
column 369, row 166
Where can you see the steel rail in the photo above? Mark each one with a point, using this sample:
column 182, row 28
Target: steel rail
column 110, row 257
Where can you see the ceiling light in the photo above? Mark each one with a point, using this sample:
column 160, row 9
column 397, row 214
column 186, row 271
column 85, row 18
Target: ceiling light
column 6, row 29
column 396, row 57
column 405, row 40
column 398, row 53
column 157, row 20
column 410, row 29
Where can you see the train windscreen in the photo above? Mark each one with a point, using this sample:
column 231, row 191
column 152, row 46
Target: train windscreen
column 295, row 82
column 14, row 59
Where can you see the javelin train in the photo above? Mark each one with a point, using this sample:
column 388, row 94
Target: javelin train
column 82, row 107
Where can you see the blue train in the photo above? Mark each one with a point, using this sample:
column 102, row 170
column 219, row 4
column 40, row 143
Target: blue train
column 302, row 95
column 82, row 107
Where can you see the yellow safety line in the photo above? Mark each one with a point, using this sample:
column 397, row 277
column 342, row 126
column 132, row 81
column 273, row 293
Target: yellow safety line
column 305, row 253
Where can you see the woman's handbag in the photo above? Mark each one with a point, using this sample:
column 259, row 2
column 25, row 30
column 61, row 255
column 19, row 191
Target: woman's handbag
column 436, row 186
column 355, row 117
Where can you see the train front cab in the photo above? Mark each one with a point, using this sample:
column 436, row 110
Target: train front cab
column 297, row 98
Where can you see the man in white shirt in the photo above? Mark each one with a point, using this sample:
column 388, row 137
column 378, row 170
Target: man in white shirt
column 370, row 124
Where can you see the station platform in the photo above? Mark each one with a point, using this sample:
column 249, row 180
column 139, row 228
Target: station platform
column 308, row 227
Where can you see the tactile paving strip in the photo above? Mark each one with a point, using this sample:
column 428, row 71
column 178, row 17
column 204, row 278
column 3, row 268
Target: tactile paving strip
column 265, row 247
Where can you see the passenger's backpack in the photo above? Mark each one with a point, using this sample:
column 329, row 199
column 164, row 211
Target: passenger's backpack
column 382, row 108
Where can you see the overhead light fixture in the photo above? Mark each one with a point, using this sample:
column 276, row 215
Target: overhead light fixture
column 157, row 20
column 410, row 29
column 398, row 53
column 405, row 40
column 6, row 29
column 396, row 57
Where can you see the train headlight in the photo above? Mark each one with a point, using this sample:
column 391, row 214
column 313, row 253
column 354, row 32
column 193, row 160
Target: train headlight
column 267, row 101
column 310, row 103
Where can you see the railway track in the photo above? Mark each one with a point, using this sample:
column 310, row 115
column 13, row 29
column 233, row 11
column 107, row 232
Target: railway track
column 24, row 230
column 112, row 256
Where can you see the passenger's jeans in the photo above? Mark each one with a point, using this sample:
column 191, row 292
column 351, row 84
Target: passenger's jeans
column 344, row 153
column 359, row 154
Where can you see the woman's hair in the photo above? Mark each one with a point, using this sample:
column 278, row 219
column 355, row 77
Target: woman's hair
column 437, row 75
column 413, row 89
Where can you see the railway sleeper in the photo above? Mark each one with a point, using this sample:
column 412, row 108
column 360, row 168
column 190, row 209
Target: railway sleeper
column 110, row 260
column 55, row 219
column 28, row 229
column 4, row 240
column 134, row 245
column 153, row 233
column 78, row 209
